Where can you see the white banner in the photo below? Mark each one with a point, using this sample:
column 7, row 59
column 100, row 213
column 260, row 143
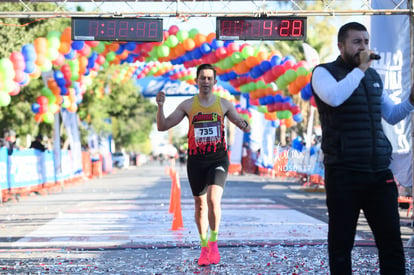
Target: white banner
column 390, row 38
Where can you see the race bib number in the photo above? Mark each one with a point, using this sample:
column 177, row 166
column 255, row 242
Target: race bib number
column 207, row 132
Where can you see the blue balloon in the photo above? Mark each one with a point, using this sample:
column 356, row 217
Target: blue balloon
column 298, row 117
column 278, row 98
column 120, row 49
column 91, row 60
column 288, row 99
column 289, row 57
column 205, row 48
column 35, row 108
column 232, row 75
column 215, row 44
column 256, row 72
column 265, row 65
column 130, row 46
column 227, row 42
column 78, row 45
column 306, row 92
column 64, row 91
column 58, row 75
column 196, row 53
column 275, row 60
column 275, row 123
column 28, row 52
column 30, row 67
column 70, row 55
column 297, row 144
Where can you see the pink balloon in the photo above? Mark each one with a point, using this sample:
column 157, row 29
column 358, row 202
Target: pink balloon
column 17, row 59
column 173, row 30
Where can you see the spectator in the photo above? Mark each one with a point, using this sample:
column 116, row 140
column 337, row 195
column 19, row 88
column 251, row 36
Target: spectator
column 10, row 141
column 37, row 143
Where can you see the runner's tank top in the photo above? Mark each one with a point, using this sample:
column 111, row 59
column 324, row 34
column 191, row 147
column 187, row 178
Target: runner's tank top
column 206, row 129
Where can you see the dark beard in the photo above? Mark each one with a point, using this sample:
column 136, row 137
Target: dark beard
column 352, row 60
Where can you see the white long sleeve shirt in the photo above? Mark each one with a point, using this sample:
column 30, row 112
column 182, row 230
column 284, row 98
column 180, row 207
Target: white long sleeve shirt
column 334, row 93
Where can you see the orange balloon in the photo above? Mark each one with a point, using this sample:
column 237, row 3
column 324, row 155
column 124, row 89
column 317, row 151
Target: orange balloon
column 66, row 35
column 36, row 73
column 64, row 47
column 113, row 47
column 123, row 55
column 189, row 44
column 270, row 116
column 301, row 81
column 179, row 49
column 261, row 56
column 293, row 88
column 38, row 117
column 252, row 61
column 210, row 37
column 40, row 60
column 40, row 45
column 289, row 122
column 199, row 39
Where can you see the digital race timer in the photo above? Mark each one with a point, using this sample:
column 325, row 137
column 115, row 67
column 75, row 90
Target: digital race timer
column 117, row 29
column 261, row 28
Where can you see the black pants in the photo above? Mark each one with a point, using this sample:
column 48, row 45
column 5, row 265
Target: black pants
column 347, row 192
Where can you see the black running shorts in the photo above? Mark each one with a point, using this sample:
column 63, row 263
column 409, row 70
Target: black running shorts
column 203, row 171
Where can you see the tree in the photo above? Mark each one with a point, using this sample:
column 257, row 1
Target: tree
column 14, row 33
column 116, row 107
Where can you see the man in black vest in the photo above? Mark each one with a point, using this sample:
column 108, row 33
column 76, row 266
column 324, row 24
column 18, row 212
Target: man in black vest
column 350, row 100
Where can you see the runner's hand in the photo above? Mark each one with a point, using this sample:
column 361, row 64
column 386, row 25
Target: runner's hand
column 160, row 98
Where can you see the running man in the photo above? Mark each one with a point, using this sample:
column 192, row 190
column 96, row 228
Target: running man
column 207, row 163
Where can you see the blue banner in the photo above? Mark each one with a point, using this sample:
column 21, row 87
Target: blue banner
column 3, row 168
column 151, row 85
column 390, row 38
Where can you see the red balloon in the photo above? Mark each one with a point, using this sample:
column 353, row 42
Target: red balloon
column 312, row 101
column 42, row 100
column 173, row 30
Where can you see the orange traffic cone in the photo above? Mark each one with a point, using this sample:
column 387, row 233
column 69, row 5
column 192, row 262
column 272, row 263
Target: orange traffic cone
column 177, row 222
column 173, row 191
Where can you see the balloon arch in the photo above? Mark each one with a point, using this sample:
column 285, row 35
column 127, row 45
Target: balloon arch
column 261, row 75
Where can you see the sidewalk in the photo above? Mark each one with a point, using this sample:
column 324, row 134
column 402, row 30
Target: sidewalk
column 120, row 224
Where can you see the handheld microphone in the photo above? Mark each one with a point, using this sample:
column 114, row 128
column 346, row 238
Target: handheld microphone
column 374, row 56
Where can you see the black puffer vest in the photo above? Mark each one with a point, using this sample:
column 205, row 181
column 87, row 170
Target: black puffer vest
column 352, row 134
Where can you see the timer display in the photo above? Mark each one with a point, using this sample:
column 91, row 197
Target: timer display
column 117, row 29
column 261, row 28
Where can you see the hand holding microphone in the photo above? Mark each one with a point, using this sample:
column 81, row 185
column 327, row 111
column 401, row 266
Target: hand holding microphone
column 374, row 56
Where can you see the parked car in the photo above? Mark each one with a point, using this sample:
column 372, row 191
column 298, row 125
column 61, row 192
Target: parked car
column 120, row 160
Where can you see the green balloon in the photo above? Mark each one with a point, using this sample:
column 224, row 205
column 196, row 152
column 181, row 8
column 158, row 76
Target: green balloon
column 110, row 56
column 48, row 117
column 193, row 32
column 5, row 65
column 301, row 71
column 5, row 99
column 247, row 51
column 182, row 35
column 163, row 51
column 290, row 75
column 99, row 48
column 262, row 109
column 53, row 34
column 45, row 91
column 171, row 41
column 236, row 57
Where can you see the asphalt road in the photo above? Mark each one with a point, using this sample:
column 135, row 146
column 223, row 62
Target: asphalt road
column 121, row 224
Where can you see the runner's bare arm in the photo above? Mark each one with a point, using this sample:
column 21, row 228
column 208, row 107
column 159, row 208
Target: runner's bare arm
column 230, row 111
column 174, row 118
